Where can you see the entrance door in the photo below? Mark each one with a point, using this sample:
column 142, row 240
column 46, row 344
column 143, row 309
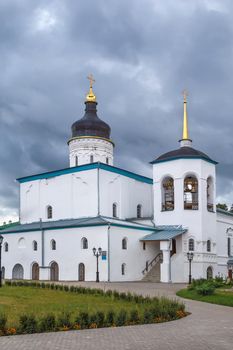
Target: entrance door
column 230, row 274
column 17, row 273
column 81, row 272
column 209, row 273
column 35, row 271
column 54, row 272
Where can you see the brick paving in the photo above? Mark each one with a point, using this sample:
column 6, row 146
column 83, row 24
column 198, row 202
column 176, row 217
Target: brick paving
column 208, row 327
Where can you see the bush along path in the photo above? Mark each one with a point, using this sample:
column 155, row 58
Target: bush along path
column 139, row 310
column 214, row 291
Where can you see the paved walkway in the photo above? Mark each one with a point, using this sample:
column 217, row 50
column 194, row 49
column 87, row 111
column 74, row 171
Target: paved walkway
column 209, row 327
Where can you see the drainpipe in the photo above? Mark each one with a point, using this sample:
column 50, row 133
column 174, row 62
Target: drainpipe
column 42, row 243
column 108, row 256
column 170, row 272
column 98, row 190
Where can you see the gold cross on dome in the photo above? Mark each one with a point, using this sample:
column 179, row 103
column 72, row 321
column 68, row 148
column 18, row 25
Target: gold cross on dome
column 185, row 94
column 91, row 79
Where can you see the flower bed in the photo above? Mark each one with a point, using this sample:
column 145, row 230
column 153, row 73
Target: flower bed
column 128, row 309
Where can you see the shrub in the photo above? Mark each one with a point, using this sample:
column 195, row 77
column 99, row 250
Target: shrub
column 28, row 324
column 100, row 319
column 108, row 293
column 47, row 323
column 64, row 320
column 3, row 321
column 110, row 318
column 83, row 320
column 205, row 289
column 148, row 316
column 121, row 318
column 134, row 317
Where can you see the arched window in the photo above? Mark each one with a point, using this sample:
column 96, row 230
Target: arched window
column 124, row 243
column 53, row 244
column 168, row 194
column 76, row 160
column 21, row 243
column 91, row 159
column 144, row 246
column 107, row 160
column 208, row 247
column 210, row 194
column 34, row 245
column 123, row 269
column 191, row 193
column 6, row 247
column 114, row 210
column 84, row 243
column 3, row 272
column 191, row 244
column 209, row 272
column 49, row 212
column 139, row 211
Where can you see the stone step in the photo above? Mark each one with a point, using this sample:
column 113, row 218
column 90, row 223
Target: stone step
column 153, row 275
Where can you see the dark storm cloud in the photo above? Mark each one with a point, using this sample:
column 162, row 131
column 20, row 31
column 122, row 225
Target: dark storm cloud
column 142, row 54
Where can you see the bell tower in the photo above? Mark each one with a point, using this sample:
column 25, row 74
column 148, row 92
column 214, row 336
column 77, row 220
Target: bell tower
column 184, row 194
column 90, row 141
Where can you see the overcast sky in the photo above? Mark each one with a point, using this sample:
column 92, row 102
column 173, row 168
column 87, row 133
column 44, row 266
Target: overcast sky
column 142, row 53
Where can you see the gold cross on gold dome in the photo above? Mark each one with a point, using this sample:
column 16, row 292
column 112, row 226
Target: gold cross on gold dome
column 91, row 79
column 91, row 96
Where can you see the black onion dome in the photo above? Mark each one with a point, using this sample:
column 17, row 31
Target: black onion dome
column 183, row 152
column 91, row 124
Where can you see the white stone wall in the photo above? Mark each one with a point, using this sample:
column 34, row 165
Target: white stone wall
column 69, row 253
column 81, row 150
column 76, row 195
column 224, row 222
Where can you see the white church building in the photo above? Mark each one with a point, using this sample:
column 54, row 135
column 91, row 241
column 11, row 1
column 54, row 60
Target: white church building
column 144, row 226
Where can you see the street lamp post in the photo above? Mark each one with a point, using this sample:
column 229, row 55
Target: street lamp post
column 1, row 240
column 97, row 253
column 190, row 258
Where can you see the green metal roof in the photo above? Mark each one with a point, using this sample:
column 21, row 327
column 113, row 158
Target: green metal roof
column 224, row 212
column 90, row 166
column 164, row 235
column 72, row 223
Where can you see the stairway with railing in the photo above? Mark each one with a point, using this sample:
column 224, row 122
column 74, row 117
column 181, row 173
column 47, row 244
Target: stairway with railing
column 151, row 273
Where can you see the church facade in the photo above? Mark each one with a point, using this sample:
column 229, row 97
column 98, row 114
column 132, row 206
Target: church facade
column 142, row 228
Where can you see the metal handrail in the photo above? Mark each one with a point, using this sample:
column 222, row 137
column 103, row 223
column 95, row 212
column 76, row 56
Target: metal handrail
column 157, row 258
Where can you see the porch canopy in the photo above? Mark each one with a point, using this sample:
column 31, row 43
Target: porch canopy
column 164, row 233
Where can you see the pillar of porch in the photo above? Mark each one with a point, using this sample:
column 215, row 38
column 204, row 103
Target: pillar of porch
column 165, row 267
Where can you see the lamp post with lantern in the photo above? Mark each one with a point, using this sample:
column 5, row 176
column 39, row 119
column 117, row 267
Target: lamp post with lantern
column 97, row 253
column 190, row 258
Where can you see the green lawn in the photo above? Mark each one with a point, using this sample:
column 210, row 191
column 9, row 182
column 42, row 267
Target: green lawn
column 15, row 301
column 220, row 296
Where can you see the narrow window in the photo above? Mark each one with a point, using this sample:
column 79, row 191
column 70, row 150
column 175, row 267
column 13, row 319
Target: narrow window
column 144, row 245
column 107, row 161
column 210, row 194
column 168, row 194
column 139, row 211
column 6, row 247
column 34, row 245
column 49, row 212
column 208, row 248
column 114, row 210
column 53, row 244
column 84, row 242
column 191, row 245
column 124, row 243
column 76, row 160
column 91, row 159
column 229, row 246
column 123, row 269
column 190, row 193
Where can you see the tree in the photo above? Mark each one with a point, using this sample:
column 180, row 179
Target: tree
column 222, row 206
column 231, row 210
